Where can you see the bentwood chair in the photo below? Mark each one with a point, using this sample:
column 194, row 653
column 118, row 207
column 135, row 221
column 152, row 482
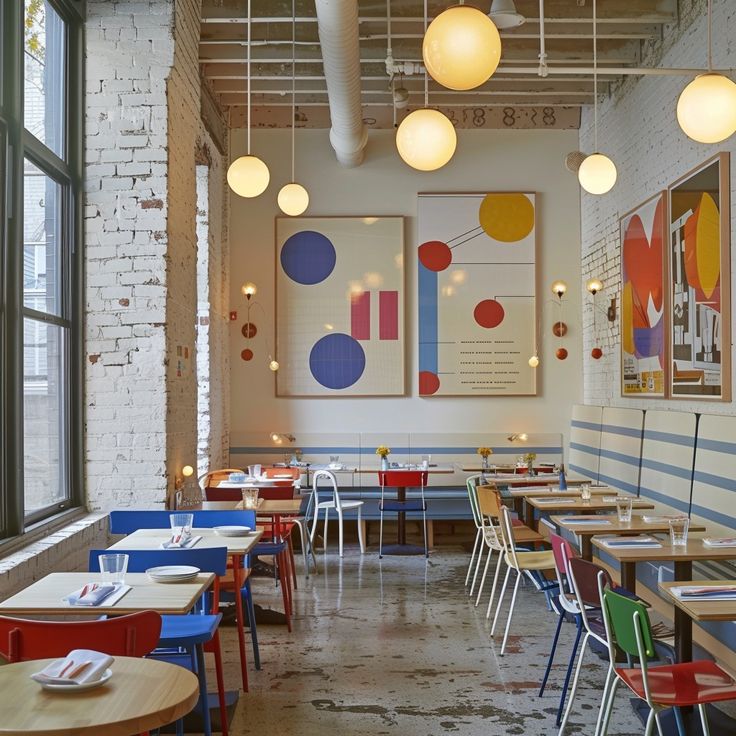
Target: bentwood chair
column 471, row 484
column 340, row 505
column 489, row 510
column 664, row 686
column 520, row 562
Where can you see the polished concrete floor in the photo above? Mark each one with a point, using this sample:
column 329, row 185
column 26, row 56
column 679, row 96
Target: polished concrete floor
column 396, row 647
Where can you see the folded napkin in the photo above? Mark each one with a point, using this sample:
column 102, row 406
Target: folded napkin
column 95, row 594
column 719, row 541
column 555, row 501
column 641, row 541
column 584, row 520
column 183, row 543
column 705, row 592
column 78, row 667
column 662, row 518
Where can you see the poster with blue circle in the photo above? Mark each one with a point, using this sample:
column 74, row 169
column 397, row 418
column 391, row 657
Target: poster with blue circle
column 340, row 306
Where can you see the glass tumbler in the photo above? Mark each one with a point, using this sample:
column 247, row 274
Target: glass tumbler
column 678, row 531
column 623, row 508
column 585, row 492
column 250, row 498
column 181, row 525
column 113, row 568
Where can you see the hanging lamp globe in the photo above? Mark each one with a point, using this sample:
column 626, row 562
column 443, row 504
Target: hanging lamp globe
column 706, row 109
column 426, row 139
column 293, row 199
column 248, row 176
column 597, row 174
column 461, row 48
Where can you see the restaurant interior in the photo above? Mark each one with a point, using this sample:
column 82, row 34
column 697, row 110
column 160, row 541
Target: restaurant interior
column 256, row 473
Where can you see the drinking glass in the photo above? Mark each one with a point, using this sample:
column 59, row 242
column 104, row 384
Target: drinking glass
column 113, row 568
column 678, row 531
column 181, row 525
column 250, row 498
column 426, row 459
column 623, row 508
column 585, row 492
column 334, row 460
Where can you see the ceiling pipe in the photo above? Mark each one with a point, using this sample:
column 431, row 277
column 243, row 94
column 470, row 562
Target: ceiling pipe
column 338, row 36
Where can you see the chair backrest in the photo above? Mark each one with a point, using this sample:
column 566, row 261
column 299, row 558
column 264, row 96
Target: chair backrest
column 584, row 577
column 489, row 503
column 134, row 635
column 215, row 493
column 212, row 559
column 279, row 473
column 403, row 478
column 212, row 476
column 126, row 522
column 562, row 551
column 471, row 483
column 507, row 537
column 324, row 475
column 626, row 616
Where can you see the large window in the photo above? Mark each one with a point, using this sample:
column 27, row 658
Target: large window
column 41, row 248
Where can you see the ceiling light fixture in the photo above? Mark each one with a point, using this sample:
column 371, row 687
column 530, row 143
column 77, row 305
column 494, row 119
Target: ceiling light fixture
column 293, row 198
column 426, row 139
column 461, row 47
column 504, row 14
column 597, row 173
column 706, row 109
column 248, row 176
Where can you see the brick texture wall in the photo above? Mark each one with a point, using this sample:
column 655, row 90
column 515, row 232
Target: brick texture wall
column 638, row 129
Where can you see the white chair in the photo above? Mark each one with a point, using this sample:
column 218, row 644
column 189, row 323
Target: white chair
column 334, row 503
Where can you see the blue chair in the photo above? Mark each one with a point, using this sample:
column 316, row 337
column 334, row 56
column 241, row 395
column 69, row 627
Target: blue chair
column 188, row 633
column 126, row 522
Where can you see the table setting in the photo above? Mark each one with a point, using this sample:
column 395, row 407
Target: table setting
column 81, row 669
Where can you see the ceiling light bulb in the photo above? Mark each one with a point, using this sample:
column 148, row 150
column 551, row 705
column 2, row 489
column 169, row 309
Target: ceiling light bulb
column 248, row 289
column 273, row 365
column 426, row 139
column 504, row 14
column 597, row 174
column 559, row 288
column 293, row 199
column 461, row 48
column 593, row 286
column 706, row 109
column 248, row 176
column 534, row 361
column 187, row 471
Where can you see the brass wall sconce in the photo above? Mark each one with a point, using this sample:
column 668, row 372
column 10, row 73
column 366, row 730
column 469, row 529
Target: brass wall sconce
column 518, row 437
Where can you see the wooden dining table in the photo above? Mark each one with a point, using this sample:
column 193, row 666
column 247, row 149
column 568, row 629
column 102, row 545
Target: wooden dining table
column 586, row 527
column 141, row 695
column 520, row 494
column 574, row 505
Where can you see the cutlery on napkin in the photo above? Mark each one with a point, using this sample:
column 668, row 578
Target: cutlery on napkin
column 94, row 594
column 179, row 542
column 78, row 667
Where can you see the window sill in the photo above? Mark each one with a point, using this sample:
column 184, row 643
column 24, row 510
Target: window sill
column 39, row 530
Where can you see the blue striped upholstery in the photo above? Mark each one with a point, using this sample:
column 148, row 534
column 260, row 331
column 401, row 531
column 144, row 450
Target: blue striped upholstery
column 585, row 440
column 621, row 432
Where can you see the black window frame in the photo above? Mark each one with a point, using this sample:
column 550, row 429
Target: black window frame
column 19, row 144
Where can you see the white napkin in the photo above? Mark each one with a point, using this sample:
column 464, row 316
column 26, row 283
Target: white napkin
column 184, row 543
column 88, row 665
column 95, row 594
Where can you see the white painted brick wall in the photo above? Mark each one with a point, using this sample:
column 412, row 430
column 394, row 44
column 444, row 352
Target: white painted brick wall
column 639, row 131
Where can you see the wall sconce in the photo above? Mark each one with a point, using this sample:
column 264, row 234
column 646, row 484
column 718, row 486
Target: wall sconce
column 559, row 329
column 594, row 286
column 611, row 311
column 559, row 288
column 188, row 493
column 279, row 437
column 249, row 330
column 533, row 361
column 518, row 437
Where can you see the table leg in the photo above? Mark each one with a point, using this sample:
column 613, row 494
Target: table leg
column 628, row 576
column 683, row 622
column 240, row 617
column 529, row 514
column 519, row 506
column 401, row 496
column 586, row 547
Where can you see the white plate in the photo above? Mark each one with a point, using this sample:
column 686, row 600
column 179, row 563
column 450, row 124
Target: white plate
column 232, row 531
column 172, row 572
column 71, row 688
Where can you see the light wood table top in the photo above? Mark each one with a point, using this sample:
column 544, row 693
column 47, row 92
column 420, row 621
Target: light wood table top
column 555, row 491
column 432, row 470
column 692, row 551
column 595, row 504
column 152, row 538
column 510, row 479
column 702, row 610
column 141, row 695
column 45, row 596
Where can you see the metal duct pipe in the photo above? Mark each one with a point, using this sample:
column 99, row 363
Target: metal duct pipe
column 338, row 36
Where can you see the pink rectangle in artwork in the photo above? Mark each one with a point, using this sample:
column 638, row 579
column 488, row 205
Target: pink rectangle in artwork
column 388, row 315
column 360, row 315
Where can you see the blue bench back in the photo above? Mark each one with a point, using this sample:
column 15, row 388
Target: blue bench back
column 211, row 559
column 585, row 440
column 126, row 522
column 620, row 454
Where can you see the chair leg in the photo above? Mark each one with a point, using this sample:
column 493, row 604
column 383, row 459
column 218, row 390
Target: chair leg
column 574, row 688
column 552, row 651
column 500, row 599
column 426, row 547
column 216, row 650
column 609, row 704
column 703, row 719
column 340, row 530
column 477, row 568
column 610, row 676
column 305, row 548
column 570, row 664
column 472, row 557
column 240, row 624
column 284, row 579
column 499, row 562
column 324, row 540
column 511, row 613
column 361, row 537
column 292, row 564
column 380, row 536
column 203, row 697
column 248, row 595
column 482, row 583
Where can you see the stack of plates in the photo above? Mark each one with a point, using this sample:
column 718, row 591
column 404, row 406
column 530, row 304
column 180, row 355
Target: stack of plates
column 173, row 573
column 232, row 531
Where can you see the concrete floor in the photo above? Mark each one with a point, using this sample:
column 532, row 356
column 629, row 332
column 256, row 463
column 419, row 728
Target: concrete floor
column 396, row 647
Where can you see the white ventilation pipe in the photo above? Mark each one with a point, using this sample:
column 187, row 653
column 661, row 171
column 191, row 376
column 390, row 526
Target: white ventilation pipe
column 338, row 36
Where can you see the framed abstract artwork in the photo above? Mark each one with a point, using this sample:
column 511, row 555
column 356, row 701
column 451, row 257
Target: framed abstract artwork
column 700, row 299
column 340, row 306
column 476, row 264
column 643, row 299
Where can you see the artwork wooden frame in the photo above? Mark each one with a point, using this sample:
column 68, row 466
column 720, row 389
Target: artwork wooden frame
column 700, row 282
column 644, row 344
column 476, row 291
column 340, row 306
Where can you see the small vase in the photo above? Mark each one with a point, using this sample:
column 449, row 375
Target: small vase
column 384, row 462
column 530, row 469
column 484, row 463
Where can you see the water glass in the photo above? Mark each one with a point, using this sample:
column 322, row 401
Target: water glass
column 678, row 531
column 334, row 460
column 250, row 498
column 623, row 508
column 113, row 568
column 585, row 492
column 426, row 459
column 181, row 525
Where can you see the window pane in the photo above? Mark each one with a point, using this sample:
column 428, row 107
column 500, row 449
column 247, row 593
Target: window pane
column 44, row 434
column 41, row 241
column 44, row 74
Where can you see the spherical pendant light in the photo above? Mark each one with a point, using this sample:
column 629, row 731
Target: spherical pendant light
column 426, row 139
column 248, row 176
column 461, row 48
column 706, row 110
column 534, row 361
column 293, row 199
column 597, row 174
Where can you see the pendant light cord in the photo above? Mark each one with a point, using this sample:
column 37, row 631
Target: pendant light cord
column 595, row 77
column 248, row 76
column 293, row 83
column 426, row 81
column 710, row 36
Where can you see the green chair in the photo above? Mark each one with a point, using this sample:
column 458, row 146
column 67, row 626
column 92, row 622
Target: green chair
column 664, row 686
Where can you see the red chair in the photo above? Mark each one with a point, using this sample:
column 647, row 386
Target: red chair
column 401, row 480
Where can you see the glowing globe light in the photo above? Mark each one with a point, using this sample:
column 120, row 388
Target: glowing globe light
column 187, row 471
column 248, row 176
column 273, row 365
column 426, row 140
column 533, row 361
column 706, row 110
column 461, row 48
column 248, row 289
column 597, row 174
column 559, row 288
column 293, row 199
column 593, row 286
